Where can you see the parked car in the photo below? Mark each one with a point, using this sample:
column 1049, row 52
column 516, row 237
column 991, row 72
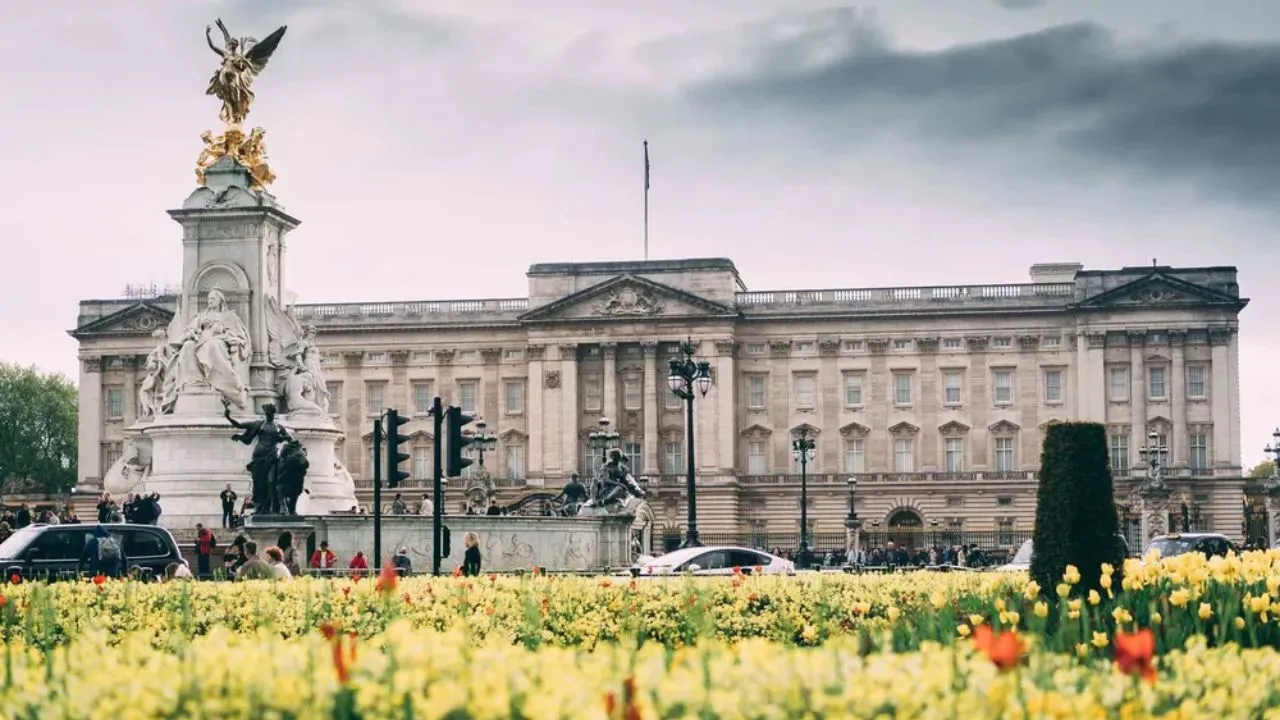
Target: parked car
column 52, row 551
column 714, row 561
column 1209, row 544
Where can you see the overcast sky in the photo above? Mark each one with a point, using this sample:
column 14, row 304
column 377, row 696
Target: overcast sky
column 435, row 150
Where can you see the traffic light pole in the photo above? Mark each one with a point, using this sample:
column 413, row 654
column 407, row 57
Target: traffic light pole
column 377, row 492
column 437, row 486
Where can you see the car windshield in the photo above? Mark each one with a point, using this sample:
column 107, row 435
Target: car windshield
column 17, row 541
column 1023, row 556
column 1169, row 547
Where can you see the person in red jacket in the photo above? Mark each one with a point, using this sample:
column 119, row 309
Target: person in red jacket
column 205, row 545
column 323, row 559
column 359, row 563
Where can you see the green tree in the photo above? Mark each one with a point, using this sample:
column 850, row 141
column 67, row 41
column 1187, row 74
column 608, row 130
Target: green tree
column 37, row 428
column 1262, row 471
column 1076, row 511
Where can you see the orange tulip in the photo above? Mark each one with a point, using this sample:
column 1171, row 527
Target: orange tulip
column 387, row 579
column 1135, row 652
column 1004, row 650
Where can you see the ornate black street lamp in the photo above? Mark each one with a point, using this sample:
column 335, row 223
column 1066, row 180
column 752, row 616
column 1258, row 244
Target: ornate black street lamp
column 802, row 449
column 603, row 440
column 852, row 523
column 483, row 443
column 1155, row 454
column 1272, row 451
column 687, row 376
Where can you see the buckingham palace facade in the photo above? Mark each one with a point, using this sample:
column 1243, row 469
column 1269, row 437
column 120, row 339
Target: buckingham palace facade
column 934, row 398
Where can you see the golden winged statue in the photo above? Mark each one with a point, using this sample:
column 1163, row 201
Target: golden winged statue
column 242, row 60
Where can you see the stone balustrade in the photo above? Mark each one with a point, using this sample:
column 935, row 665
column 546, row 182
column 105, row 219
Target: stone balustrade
column 909, row 298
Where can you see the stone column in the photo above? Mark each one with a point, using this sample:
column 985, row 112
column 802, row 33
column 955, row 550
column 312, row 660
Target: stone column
column 705, row 408
column 90, row 420
column 1232, row 454
column 609, row 351
column 130, row 365
column 652, row 408
column 1220, row 396
column 978, row 400
column 726, row 403
column 537, row 425
column 399, row 395
column 1178, row 401
column 1273, row 517
column 1138, row 392
column 569, row 413
column 353, row 414
column 490, row 402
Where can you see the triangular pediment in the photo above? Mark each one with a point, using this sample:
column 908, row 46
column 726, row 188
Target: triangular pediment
column 1003, row 427
column 806, row 429
column 903, row 429
column 954, row 428
column 512, row 435
column 854, row 430
column 627, row 298
column 1160, row 290
column 756, row 432
column 140, row 318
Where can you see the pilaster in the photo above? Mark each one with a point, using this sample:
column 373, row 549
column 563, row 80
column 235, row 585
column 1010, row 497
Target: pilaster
column 1178, row 401
column 831, row 392
column 398, row 393
column 726, row 403
column 353, row 414
column 90, row 420
column 537, row 427
column 129, row 366
column 609, row 351
column 652, row 408
column 1138, row 393
column 568, row 407
column 489, row 403
column 1221, row 397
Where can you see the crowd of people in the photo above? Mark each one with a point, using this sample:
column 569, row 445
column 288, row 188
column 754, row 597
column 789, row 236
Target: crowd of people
column 137, row 509
column 24, row 515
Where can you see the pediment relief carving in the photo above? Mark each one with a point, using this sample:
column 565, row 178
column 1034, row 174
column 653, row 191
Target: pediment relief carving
column 806, row 428
column 1048, row 423
column 904, row 429
column 1158, row 289
column 756, row 432
column 512, row 435
column 1158, row 423
column 142, row 318
column 954, row 428
column 671, row 433
column 854, row 430
column 1003, row 427
column 623, row 297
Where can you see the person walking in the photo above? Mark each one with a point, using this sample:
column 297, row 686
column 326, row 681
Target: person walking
column 228, row 497
column 471, row 558
column 103, row 554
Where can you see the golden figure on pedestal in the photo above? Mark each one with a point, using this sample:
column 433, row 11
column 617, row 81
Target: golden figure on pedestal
column 242, row 60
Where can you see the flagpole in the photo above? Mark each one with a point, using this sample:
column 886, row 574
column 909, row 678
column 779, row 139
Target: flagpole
column 646, row 199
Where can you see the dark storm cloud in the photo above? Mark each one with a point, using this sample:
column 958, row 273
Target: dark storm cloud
column 1202, row 112
column 317, row 22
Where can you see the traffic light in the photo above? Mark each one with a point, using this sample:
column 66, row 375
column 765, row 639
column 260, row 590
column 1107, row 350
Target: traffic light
column 444, row 541
column 395, row 455
column 455, row 420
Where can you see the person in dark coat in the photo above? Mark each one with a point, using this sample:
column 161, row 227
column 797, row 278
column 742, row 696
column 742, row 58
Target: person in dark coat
column 471, row 559
column 103, row 554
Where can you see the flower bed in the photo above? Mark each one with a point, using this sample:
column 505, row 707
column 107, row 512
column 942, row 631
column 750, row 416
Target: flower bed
column 1172, row 638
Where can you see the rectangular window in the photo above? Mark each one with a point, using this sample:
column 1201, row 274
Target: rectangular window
column 901, row 344
column 515, row 462
column 755, row 348
column 513, row 354
column 421, row 463
column 1053, row 386
column 1004, row 532
column 1198, row 445
column 852, row 345
column 853, row 390
column 1195, row 381
column 422, row 398
column 467, row 392
column 592, row 393
column 374, row 393
column 1051, row 341
column 951, row 388
column 757, row 459
column 467, row 356
column 1003, row 387
column 755, row 392
column 804, row 391
column 951, row 343
column 904, row 455
column 671, row 459
column 1155, row 383
column 111, row 452
column 1004, row 454
column 631, row 393
column 855, row 456
column 1120, row 455
column 335, row 397
column 115, row 403
column 1119, row 384
column 1001, row 342
column 902, row 389
column 635, row 457
column 955, row 455
column 804, row 348
column 513, row 396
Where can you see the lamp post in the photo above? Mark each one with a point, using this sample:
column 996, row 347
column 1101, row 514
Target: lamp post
column 802, row 449
column 1154, row 454
column 689, row 378
column 484, row 442
column 603, row 439
column 1272, row 451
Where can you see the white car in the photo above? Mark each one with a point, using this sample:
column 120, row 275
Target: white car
column 1021, row 561
column 715, row 561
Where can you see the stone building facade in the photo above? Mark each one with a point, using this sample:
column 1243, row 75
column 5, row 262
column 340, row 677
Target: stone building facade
column 934, row 398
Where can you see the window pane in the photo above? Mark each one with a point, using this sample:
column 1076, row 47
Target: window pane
column 853, row 390
column 422, row 463
column 804, row 391
column 1003, row 387
column 1119, row 383
column 671, row 454
column 1120, row 454
column 514, row 395
column 1156, row 375
column 515, row 462
column 422, row 398
column 467, row 396
column 374, row 397
column 952, row 396
column 591, row 392
column 335, row 397
column 954, row 455
column 115, row 402
column 1199, row 451
column 903, row 455
column 635, row 456
column 631, row 393
column 1195, row 381
column 757, row 463
column 1053, row 386
column 902, row 389
column 854, row 456
column 755, row 392
column 1004, row 454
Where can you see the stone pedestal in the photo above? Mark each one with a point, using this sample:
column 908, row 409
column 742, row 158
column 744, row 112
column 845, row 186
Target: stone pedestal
column 1154, row 503
column 1273, row 516
column 853, row 533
